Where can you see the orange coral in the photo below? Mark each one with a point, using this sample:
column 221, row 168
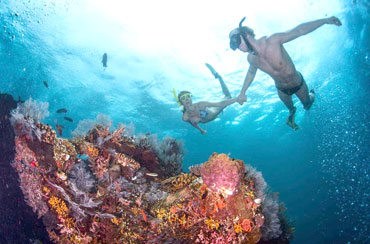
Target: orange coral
column 92, row 151
column 246, row 225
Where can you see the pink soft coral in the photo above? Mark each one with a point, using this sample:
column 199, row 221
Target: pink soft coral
column 222, row 174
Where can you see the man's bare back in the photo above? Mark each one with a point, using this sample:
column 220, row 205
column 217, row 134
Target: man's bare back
column 269, row 55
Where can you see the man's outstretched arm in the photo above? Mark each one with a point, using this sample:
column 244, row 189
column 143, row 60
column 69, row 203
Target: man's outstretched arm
column 247, row 81
column 304, row 29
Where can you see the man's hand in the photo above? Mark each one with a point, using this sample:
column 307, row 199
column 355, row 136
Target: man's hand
column 203, row 132
column 242, row 98
column 334, row 21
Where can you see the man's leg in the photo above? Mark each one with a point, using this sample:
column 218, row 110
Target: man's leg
column 288, row 101
column 306, row 98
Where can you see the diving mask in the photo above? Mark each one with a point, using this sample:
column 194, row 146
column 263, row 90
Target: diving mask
column 235, row 41
column 185, row 96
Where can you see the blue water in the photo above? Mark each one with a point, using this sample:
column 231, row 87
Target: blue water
column 321, row 171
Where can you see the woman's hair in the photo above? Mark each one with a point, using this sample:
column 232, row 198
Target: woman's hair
column 182, row 93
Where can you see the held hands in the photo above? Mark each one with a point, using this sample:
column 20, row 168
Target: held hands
column 242, row 98
column 333, row 21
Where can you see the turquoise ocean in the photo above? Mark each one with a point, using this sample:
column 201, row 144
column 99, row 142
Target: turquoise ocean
column 51, row 51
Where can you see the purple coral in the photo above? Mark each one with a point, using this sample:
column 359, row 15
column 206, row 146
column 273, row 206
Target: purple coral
column 222, row 174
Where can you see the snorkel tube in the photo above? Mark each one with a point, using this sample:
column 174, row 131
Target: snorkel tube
column 243, row 29
column 175, row 96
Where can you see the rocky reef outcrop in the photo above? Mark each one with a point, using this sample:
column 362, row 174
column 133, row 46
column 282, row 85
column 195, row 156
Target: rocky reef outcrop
column 107, row 187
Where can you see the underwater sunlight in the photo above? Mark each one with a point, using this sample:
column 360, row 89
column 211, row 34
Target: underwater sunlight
column 126, row 121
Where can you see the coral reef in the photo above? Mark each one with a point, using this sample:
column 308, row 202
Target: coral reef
column 19, row 223
column 169, row 152
column 107, row 187
column 222, row 175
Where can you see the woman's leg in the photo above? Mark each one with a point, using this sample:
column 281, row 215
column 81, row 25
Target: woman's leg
column 225, row 90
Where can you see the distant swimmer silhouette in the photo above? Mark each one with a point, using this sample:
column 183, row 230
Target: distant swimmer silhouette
column 269, row 55
column 105, row 60
column 203, row 112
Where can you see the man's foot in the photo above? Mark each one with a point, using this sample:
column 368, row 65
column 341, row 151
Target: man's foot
column 290, row 121
column 312, row 99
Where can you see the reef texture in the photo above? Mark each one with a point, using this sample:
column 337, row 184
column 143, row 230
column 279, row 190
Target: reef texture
column 19, row 224
column 106, row 187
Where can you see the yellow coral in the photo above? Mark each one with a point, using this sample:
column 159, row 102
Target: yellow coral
column 212, row 224
column 161, row 213
column 69, row 223
column 179, row 182
column 58, row 205
column 238, row 228
column 92, row 151
column 46, row 190
column 115, row 221
column 183, row 220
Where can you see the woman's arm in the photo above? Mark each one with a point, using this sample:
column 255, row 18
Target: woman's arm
column 219, row 104
column 200, row 129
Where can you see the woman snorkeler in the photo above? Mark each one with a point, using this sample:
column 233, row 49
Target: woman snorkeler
column 203, row 112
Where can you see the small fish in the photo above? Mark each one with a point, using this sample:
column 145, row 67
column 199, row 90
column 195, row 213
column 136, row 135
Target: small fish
column 62, row 110
column 45, row 84
column 59, row 129
column 144, row 215
column 34, row 163
column 205, row 194
column 83, row 156
column 68, row 119
column 152, row 174
column 105, row 60
column 258, row 200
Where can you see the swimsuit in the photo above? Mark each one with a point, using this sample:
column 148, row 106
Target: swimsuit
column 203, row 113
column 291, row 91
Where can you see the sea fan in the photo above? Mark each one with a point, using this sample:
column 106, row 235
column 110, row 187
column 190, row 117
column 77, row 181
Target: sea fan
column 82, row 177
column 85, row 125
column 25, row 117
column 155, row 193
column 271, row 228
column 129, row 129
column 30, row 108
column 82, row 198
column 257, row 178
column 170, row 153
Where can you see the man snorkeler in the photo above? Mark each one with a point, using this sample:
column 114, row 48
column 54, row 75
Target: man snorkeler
column 203, row 112
column 269, row 55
